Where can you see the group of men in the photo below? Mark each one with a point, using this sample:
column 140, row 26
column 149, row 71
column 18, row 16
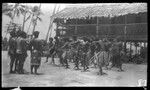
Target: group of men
column 81, row 51
column 17, row 51
column 78, row 51
column 19, row 44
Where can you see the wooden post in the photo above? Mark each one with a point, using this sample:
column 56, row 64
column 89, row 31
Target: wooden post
column 137, row 49
column 125, row 32
column 140, row 45
column 97, row 22
column 144, row 44
column 130, row 49
column 76, row 27
column 57, row 29
column 109, row 27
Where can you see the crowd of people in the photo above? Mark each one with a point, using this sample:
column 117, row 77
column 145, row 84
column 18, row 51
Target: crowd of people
column 82, row 51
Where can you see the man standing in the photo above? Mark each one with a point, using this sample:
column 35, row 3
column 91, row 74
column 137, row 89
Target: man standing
column 12, row 50
column 36, row 52
column 21, row 51
column 50, row 47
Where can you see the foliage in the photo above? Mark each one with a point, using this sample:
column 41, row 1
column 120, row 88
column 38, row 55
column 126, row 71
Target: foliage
column 17, row 9
column 12, row 10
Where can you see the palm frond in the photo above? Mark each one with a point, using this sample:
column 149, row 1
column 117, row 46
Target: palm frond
column 9, row 14
column 23, row 6
column 33, row 21
column 29, row 11
column 10, row 6
column 22, row 10
column 35, row 9
column 16, row 5
column 6, row 8
column 28, row 18
column 17, row 12
column 40, row 19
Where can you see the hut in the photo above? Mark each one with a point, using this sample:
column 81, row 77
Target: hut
column 126, row 20
column 121, row 19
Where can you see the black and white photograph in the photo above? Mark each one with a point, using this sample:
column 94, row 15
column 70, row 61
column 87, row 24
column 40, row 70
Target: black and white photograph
column 74, row 45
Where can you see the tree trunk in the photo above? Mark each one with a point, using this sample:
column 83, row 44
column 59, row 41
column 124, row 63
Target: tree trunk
column 125, row 47
column 51, row 22
column 136, row 50
column 144, row 44
column 49, row 30
column 130, row 52
column 30, row 24
column 34, row 26
column 23, row 21
column 12, row 20
column 36, row 20
column 135, row 47
column 130, row 48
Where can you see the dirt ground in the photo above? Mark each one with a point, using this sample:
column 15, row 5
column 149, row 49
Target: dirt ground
column 55, row 76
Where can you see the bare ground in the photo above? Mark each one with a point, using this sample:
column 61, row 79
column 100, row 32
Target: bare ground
column 55, row 76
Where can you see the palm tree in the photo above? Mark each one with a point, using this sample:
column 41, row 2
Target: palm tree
column 25, row 11
column 5, row 7
column 51, row 22
column 36, row 12
column 12, row 11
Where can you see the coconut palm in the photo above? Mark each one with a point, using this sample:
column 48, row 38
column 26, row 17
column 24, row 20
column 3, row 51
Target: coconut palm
column 8, row 10
column 51, row 22
column 15, row 10
column 26, row 11
column 36, row 12
column 5, row 7
column 12, row 11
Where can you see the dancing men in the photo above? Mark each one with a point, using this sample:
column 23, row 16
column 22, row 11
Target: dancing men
column 51, row 49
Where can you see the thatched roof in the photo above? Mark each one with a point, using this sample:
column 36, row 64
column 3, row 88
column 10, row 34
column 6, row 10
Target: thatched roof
column 105, row 10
